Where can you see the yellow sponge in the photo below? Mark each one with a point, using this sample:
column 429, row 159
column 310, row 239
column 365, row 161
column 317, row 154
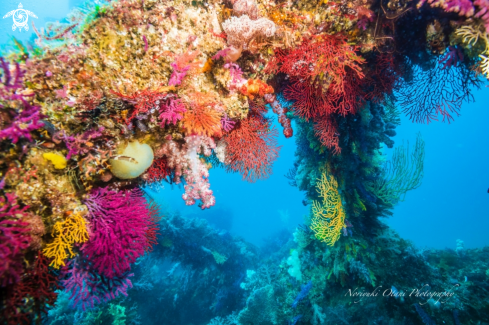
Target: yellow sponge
column 59, row 161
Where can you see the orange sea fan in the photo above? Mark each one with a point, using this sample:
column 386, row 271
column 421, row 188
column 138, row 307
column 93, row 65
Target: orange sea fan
column 202, row 118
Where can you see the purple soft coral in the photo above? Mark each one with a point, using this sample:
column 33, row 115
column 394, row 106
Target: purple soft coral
column 119, row 224
column 23, row 120
column 78, row 144
column 171, row 111
column 14, row 237
column 462, row 7
column 88, row 288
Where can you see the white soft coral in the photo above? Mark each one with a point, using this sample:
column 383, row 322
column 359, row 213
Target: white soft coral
column 241, row 30
column 196, row 177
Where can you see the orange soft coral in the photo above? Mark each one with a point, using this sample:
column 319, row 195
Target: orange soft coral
column 254, row 87
column 202, row 118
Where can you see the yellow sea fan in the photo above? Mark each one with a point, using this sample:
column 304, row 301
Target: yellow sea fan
column 70, row 231
column 328, row 216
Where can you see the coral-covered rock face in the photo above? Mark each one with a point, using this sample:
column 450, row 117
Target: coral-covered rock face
column 133, row 160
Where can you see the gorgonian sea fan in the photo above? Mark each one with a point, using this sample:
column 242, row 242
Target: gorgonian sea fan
column 119, row 225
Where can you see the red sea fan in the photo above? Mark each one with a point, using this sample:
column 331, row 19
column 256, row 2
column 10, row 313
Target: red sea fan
column 322, row 55
column 14, row 238
column 31, row 295
column 158, row 171
column 326, row 131
column 119, row 224
column 308, row 99
column 383, row 79
column 252, row 148
column 153, row 228
column 143, row 101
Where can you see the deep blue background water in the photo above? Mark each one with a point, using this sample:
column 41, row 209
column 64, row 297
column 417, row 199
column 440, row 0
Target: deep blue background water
column 452, row 203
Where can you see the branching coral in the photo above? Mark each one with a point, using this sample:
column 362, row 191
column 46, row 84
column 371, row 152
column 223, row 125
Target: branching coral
column 71, row 231
column 329, row 215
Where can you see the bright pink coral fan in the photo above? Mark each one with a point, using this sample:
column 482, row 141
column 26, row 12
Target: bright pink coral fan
column 119, row 222
column 14, row 238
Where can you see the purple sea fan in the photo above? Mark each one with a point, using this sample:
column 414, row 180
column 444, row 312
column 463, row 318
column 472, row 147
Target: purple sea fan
column 9, row 83
column 171, row 111
column 14, row 238
column 119, row 224
column 227, row 124
column 88, row 288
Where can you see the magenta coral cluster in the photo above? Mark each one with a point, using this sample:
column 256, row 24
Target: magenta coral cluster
column 171, row 111
column 119, row 223
column 14, row 238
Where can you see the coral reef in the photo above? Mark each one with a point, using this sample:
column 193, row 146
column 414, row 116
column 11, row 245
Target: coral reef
column 127, row 94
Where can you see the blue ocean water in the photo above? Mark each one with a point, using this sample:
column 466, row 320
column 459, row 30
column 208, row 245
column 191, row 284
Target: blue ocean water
column 452, row 202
